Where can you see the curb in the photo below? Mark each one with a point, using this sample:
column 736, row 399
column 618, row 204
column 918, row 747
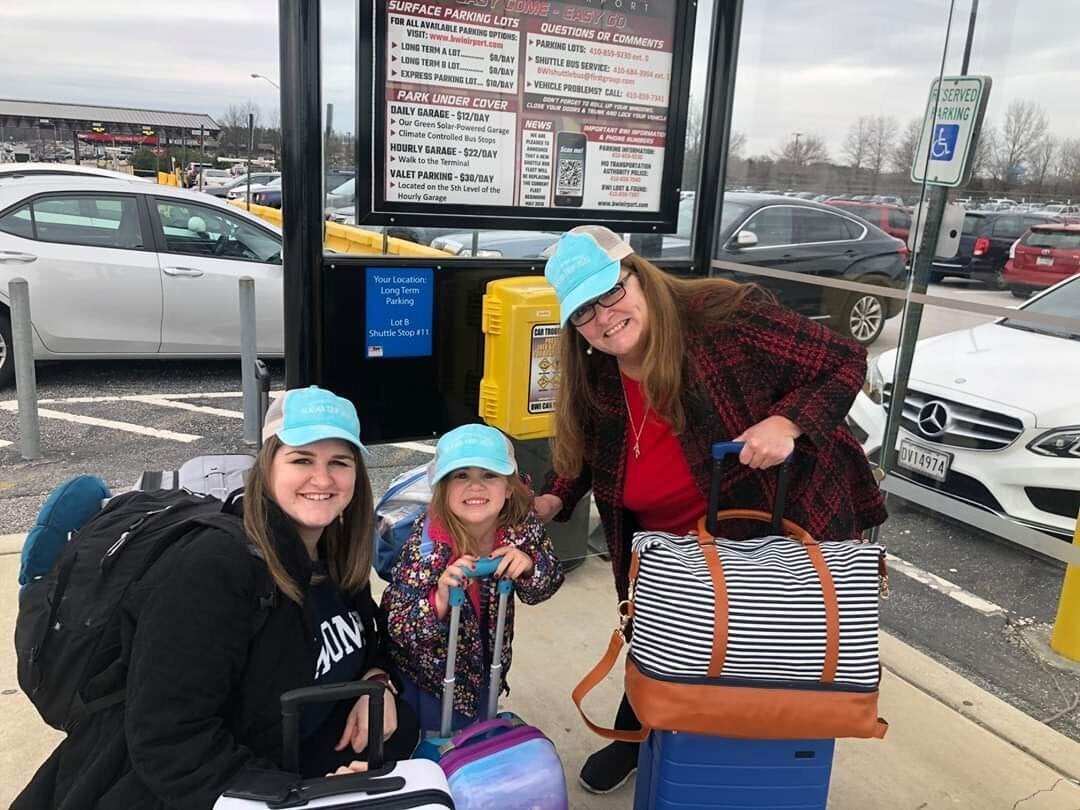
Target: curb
column 1023, row 732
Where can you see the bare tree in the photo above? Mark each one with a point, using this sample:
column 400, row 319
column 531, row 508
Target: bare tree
column 1025, row 125
column 802, row 149
column 692, row 152
column 1042, row 158
column 736, row 144
column 234, row 126
column 857, row 143
column 903, row 154
column 1069, row 161
column 983, row 158
column 882, row 136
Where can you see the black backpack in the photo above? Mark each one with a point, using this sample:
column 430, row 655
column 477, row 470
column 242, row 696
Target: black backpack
column 69, row 630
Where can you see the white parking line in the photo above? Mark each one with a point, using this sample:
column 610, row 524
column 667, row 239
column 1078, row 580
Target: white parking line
column 187, row 406
column 48, row 413
column 4, row 443
column 942, row 585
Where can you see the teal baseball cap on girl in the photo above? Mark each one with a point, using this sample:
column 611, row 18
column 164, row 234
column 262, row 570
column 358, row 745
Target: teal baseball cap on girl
column 584, row 266
column 472, row 446
column 305, row 415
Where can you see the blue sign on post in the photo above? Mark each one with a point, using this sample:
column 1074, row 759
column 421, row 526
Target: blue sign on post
column 400, row 302
column 943, row 144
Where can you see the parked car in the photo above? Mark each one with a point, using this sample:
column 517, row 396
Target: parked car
column 269, row 195
column 892, row 219
column 1043, row 256
column 61, row 169
column 133, row 270
column 1060, row 209
column 992, row 416
column 819, row 241
column 985, row 241
column 258, row 180
column 214, row 177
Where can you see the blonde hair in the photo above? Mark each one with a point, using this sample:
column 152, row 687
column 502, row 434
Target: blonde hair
column 514, row 512
column 675, row 306
column 346, row 544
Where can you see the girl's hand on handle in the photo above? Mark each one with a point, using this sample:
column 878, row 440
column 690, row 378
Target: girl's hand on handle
column 452, row 577
column 356, row 725
column 768, row 442
column 515, row 562
column 547, row 506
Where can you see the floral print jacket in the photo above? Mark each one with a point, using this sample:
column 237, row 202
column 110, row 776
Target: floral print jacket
column 419, row 639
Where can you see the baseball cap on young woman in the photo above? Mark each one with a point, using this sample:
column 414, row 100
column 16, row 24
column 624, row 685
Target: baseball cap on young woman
column 305, row 415
column 472, row 446
column 584, row 266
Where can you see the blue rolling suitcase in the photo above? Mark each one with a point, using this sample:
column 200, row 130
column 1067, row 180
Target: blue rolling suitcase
column 693, row 772
column 680, row 771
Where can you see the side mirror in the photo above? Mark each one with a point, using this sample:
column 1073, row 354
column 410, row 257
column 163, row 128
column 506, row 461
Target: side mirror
column 745, row 239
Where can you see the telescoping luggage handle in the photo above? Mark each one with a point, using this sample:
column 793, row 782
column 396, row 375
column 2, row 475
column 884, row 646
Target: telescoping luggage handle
column 293, row 701
column 485, row 567
column 720, row 451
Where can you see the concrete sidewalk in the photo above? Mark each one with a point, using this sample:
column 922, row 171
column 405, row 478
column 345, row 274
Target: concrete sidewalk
column 950, row 744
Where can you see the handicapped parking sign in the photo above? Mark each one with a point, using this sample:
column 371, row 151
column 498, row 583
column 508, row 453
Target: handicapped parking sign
column 950, row 131
column 943, row 142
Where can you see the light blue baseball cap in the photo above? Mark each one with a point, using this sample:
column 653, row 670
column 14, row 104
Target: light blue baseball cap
column 305, row 415
column 584, row 266
column 472, row 446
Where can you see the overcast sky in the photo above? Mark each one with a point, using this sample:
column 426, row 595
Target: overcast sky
column 805, row 66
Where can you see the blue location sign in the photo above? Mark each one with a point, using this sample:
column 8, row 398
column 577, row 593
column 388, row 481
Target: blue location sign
column 400, row 302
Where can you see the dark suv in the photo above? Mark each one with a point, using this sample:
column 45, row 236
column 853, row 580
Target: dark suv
column 984, row 246
column 818, row 241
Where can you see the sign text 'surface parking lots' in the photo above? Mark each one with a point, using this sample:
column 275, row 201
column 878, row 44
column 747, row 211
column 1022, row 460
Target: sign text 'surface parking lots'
column 950, row 132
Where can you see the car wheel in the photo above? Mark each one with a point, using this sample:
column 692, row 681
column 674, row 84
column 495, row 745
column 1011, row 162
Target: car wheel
column 862, row 317
column 997, row 281
column 1019, row 292
column 7, row 355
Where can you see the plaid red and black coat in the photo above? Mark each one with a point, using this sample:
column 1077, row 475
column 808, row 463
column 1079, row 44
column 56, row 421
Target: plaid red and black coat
column 768, row 361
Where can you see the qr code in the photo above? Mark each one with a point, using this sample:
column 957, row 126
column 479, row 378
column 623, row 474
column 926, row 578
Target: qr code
column 570, row 174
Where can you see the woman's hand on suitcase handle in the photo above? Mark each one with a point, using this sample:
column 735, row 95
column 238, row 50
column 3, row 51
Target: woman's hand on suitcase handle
column 356, row 724
column 452, row 577
column 356, row 766
column 547, row 506
column 769, row 442
column 515, row 562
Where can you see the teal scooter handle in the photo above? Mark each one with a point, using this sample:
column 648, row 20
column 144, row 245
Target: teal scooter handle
column 485, row 567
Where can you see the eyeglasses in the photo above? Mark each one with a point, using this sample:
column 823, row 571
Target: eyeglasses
column 586, row 312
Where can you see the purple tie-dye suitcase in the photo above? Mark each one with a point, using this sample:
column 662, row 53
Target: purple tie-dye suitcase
column 500, row 762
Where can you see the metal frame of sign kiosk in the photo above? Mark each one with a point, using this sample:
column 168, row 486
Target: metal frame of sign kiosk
column 323, row 294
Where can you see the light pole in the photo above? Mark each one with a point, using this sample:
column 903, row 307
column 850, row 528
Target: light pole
column 260, row 76
column 794, row 160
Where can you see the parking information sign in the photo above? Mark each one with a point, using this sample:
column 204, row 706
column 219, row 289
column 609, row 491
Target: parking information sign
column 525, row 104
column 399, row 305
column 950, row 130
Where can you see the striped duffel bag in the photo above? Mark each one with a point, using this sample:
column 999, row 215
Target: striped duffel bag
column 770, row 638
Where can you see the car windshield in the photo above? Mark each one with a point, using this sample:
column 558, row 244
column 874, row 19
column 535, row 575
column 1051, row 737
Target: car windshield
column 341, row 185
column 1055, row 240
column 1063, row 301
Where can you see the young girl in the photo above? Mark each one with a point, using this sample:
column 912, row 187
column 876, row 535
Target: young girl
column 480, row 507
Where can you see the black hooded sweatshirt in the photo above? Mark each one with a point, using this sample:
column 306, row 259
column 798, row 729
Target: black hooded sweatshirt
column 203, row 687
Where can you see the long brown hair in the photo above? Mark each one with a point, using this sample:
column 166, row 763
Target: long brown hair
column 514, row 512
column 346, row 544
column 675, row 305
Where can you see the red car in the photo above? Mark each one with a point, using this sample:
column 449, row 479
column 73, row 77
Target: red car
column 893, row 219
column 1042, row 257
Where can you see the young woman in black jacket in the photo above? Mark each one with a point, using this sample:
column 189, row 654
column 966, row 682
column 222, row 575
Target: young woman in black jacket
column 208, row 664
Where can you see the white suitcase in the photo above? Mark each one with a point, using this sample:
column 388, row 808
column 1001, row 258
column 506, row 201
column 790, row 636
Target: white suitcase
column 413, row 785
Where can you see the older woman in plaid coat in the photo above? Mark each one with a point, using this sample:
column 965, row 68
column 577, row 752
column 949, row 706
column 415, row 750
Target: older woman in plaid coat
column 655, row 369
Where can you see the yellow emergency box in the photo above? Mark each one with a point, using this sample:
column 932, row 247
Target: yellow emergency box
column 521, row 356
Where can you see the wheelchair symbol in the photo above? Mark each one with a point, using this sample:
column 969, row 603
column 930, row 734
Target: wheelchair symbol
column 943, row 143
